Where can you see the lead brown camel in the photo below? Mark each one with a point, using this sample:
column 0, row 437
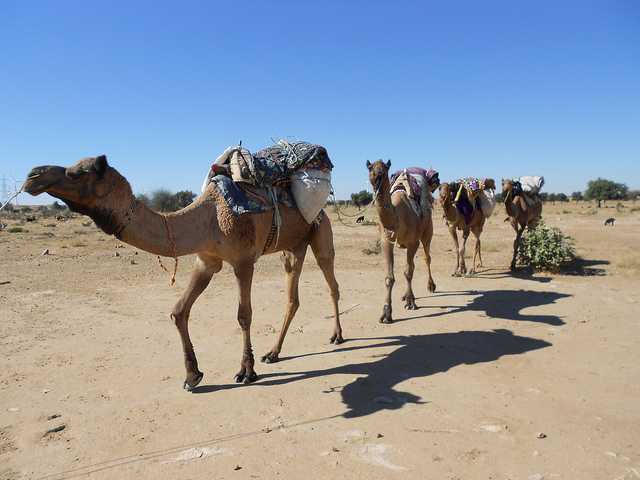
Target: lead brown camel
column 399, row 224
column 206, row 228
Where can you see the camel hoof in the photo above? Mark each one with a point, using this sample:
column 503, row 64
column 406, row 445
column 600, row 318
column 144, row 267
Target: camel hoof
column 189, row 385
column 386, row 315
column 242, row 377
column 432, row 287
column 270, row 357
column 411, row 304
column 336, row 339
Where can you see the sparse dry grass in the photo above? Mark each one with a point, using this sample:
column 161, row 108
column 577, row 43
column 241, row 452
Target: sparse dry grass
column 629, row 264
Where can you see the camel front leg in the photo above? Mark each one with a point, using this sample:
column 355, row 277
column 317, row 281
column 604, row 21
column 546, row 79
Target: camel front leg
column 477, row 253
column 200, row 279
column 387, row 250
column 322, row 247
column 516, row 244
column 409, row 298
column 426, row 245
column 244, row 277
column 463, row 247
column 293, row 262
column 454, row 235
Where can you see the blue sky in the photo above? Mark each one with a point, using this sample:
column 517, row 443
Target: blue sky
column 490, row 89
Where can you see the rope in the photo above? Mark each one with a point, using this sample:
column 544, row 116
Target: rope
column 13, row 196
column 172, row 245
column 340, row 213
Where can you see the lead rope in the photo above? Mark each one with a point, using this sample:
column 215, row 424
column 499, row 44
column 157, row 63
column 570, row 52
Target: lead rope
column 172, row 245
column 340, row 214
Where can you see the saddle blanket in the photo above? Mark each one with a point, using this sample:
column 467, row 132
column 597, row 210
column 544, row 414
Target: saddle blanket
column 416, row 187
column 243, row 198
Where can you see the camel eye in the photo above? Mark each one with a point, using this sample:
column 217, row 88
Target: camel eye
column 76, row 174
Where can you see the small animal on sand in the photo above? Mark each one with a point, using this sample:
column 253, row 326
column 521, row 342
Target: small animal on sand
column 610, row 221
column 360, row 219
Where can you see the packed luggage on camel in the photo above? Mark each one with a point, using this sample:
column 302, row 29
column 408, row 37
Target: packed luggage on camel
column 466, row 204
column 404, row 204
column 232, row 222
column 521, row 197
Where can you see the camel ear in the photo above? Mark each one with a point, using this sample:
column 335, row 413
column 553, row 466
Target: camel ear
column 388, row 164
column 368, row 165
column 100, row 165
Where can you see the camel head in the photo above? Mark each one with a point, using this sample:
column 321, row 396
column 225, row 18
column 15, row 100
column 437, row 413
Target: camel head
column 90, row 187
column 446, row 193
column 507, row 185
column 378, row 174
column 433, row 180
column 489, row 184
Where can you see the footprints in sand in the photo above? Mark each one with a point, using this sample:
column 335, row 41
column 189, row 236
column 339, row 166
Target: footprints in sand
column 6, row 441
column 196, row 453
column 357, row 445
column 6, row 445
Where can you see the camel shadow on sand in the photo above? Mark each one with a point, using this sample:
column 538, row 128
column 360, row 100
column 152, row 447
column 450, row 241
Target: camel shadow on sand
column 503, row 304
column 416, row 356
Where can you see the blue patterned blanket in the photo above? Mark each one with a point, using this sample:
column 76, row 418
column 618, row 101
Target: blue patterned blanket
column 246, row 199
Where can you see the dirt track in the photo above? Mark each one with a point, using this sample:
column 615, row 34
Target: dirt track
column 460, row 389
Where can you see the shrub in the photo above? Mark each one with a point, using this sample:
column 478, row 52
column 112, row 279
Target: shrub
column 546, row 248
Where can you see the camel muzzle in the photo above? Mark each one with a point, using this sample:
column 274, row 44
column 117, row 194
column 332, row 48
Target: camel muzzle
column 42, row 178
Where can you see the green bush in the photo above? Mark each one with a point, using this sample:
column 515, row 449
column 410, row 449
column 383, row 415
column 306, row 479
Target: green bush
column 546, row 248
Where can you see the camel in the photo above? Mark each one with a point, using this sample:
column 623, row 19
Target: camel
column 456, row 221
column 399, row 224
column 521, row 214
column 206, row 228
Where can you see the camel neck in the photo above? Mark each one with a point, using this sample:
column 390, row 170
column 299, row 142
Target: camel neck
column 384, row 207
column 179, row 233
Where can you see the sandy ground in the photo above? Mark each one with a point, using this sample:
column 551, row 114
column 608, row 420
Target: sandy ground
column 462, row 388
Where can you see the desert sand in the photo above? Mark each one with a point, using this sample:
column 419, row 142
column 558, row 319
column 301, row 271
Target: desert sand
column 494, row 377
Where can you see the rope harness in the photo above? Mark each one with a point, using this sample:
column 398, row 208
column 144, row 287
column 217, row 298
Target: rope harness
column 172, row 245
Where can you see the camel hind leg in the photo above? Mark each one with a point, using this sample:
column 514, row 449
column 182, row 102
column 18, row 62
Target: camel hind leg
column 244, row 277
column 426, row 245
column 409, row 298
column 323, row 250
column 293, row 262
column 200, row 279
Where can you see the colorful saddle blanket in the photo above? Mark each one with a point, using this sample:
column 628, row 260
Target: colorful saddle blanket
column 416, row 183
column 244, row 198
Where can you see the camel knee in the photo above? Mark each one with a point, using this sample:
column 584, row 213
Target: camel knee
column 179, row 316
column 335, row 291
column 325, row 261
column 389, row 281
column 293, row 305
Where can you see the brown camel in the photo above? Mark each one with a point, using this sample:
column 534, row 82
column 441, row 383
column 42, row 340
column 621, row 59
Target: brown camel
column 521, row 214
column 456, row 221
column 399, row 224
column 206, row 228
